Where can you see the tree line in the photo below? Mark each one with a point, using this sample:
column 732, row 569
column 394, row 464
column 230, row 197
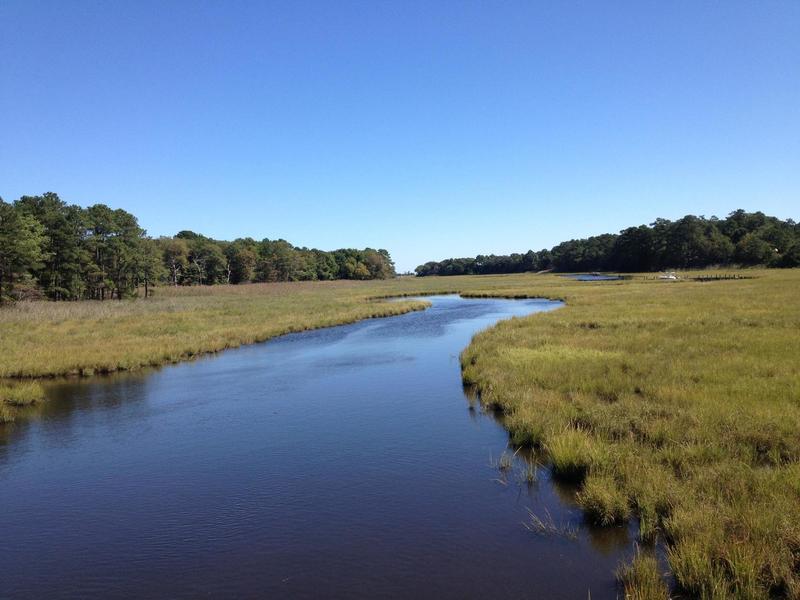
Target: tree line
column 745, row 239
column 51, row 249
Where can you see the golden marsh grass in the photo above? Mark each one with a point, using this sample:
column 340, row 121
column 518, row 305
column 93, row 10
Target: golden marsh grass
column 676, row 403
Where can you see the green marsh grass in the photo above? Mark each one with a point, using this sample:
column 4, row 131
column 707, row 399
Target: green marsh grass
column 41, row 339
column 546, row 526
column 677, row 403
column 674, row 403
column 641, row 578
column 603, row 500
column 572, row 453
column 14, row 395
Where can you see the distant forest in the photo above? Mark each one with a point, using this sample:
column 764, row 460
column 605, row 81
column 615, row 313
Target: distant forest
column 54, row 250
column 745, row 239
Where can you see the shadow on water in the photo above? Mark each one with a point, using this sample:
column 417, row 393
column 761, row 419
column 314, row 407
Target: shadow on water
column 334, row 460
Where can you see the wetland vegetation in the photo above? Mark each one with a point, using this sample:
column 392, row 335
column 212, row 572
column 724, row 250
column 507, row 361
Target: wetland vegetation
column 17, row 394
column 216, row 380
column 674, row 403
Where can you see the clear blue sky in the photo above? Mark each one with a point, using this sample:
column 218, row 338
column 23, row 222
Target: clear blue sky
column 432, row 129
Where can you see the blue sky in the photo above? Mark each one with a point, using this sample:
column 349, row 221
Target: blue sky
column 432, row 129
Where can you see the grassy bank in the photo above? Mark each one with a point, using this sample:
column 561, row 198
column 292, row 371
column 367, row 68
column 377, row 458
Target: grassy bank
column 677, row 403
column 45, row 339
column 42, row 339
column 15, row 395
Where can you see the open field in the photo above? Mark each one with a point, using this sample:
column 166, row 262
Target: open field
column 677, row 403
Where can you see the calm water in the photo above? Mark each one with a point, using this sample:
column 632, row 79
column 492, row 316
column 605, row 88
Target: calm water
column 344, row 462
column 592, row 277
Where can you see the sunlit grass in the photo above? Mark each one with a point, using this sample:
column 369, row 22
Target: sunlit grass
column 46, row 338
column 673, row 403
column 641, row 578
column 603, row 500
column 14, row 395
column 572, row 452
column 677, row 403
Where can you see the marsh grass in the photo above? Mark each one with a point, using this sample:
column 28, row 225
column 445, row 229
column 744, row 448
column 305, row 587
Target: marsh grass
column 14, row 395
column 525, row 470
column 677, row 403
column 572, row 453
column 641, row 578
column 506, row 461
column 41, row 339
column 603, row 500
column 529, row 473
column 47, row 339
column 547, row 526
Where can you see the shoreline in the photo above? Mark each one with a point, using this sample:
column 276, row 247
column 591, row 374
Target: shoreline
column 82, row 372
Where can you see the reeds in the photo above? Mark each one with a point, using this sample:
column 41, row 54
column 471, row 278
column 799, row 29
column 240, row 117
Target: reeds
column 547, row 526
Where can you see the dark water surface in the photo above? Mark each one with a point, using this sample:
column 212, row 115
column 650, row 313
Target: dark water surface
column 343, row 462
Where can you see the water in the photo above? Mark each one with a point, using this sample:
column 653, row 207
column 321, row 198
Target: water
column 592, row 277
column 344, row 462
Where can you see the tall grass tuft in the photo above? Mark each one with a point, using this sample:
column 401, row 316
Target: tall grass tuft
column 641, row 578
column 14, row 395
column 572, row 452
column 602, row 500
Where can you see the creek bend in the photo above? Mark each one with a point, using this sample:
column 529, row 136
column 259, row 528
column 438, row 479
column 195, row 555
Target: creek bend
column 341, row 462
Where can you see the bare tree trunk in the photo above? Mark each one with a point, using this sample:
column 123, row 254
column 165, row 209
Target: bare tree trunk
column 200, row 270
